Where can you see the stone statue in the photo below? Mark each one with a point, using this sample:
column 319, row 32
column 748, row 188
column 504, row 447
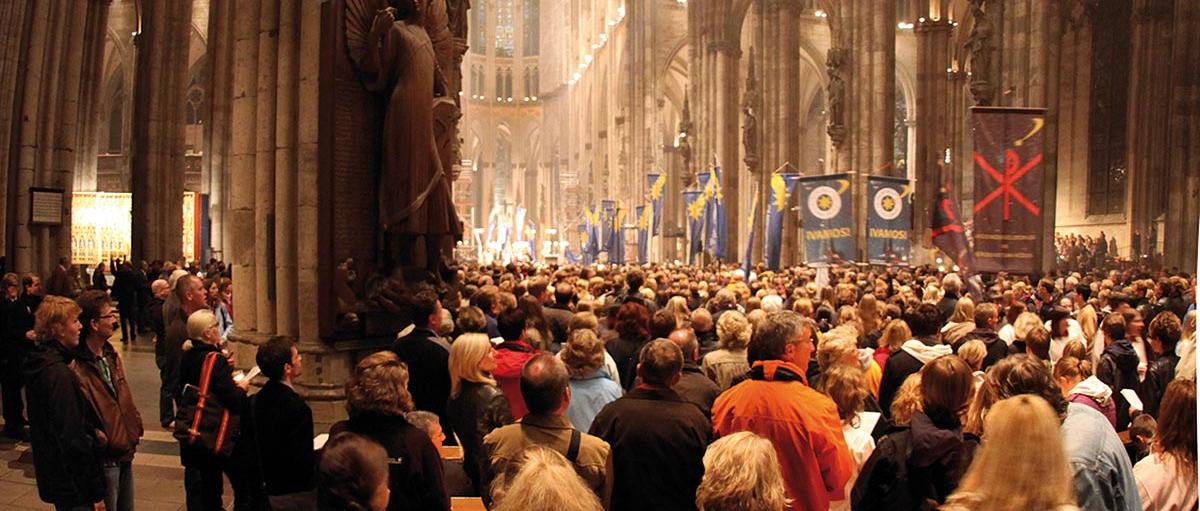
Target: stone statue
column 749, row 112
column 685, row 145
column 979, row 45
column 837, row 64
column 396, row 58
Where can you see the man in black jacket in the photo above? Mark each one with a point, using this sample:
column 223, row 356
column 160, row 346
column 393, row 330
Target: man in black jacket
column 693, row 386
column 125, row 291
column 428, row 357
column 558, row 314
column 925, row 322
column 658, row 439
column 15, row 344
column 987, row 316
column 284, row 428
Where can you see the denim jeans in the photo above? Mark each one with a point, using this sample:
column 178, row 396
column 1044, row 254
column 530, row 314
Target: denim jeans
column 118, row 479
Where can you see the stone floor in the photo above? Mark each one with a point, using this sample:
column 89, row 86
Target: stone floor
column 158, row 476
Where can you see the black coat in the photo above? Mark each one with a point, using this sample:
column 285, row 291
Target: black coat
column 125, row 289
column 914, row 468
column 478, row 409
column 18, row 319
column 221, row 387
column 62, row 427
column 1158, row 375
column 898, row 367
column 1118, row 369
column 658, row 442
column 997, row 349
column 284, row 429
column 625, row 354
column 428, row 373
column 696, row 388
column 559, row 319
column 414, row 465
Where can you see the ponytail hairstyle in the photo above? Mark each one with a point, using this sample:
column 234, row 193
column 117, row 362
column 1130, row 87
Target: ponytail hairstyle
column 1072, row 368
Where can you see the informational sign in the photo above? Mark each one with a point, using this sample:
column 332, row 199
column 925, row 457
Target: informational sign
column 46, row 206
column 1008, row 188
column 889, row 219
column 828, row 219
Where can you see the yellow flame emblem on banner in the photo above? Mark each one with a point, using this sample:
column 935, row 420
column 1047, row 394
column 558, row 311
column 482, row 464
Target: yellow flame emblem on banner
column 657, row 190
column 779, row 189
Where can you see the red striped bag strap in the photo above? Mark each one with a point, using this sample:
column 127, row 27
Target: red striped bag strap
column 205, row 378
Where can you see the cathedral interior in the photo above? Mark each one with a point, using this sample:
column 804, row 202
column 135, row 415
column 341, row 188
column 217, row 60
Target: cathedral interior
column 239, row 130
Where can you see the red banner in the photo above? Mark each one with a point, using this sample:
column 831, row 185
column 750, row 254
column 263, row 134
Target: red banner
column 1008, row 188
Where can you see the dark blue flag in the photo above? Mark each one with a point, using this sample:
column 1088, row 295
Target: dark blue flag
column 828, row 219
column 889, row 219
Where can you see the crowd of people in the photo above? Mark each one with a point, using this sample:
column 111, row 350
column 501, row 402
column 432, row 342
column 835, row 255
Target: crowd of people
column 657, row 387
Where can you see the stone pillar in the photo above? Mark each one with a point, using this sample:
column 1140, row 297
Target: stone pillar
column 1183, row 196
column 728, row 138
column 243, row 120
column 1148, row 113
column 934, row 121
column 217, row 129
column 158, row 129
column 45, row 55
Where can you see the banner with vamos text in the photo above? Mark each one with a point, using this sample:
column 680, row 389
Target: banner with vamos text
column 828, row 219
column 889, row 219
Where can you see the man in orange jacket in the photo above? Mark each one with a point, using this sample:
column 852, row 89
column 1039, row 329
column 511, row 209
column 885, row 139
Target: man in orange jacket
column 776, row 402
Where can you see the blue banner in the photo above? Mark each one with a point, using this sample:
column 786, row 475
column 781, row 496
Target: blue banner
column 607, row 208
column 658, row 186
column 755, row 212
column 828, row 219
column 889, row 220
column 715, row 225
column 694, row 208
column 643, row 233
column 591, row 249
column 616, row 245
column 783, row 186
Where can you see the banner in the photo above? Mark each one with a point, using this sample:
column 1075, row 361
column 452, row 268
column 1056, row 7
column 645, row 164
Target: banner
column 658, row 186
column 783, row 185
column 643, row 233
column 828, row 219
column 1008, row 188
column 946, row 229
column 715, row 224
column 889, row 220
column 592, row 248
column 694, row 208
column 616, row 245
column 755, row 212
column 607, row 211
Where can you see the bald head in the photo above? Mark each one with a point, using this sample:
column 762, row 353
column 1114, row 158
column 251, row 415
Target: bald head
column 685, row 338
column 544, row 381
column 160, row 289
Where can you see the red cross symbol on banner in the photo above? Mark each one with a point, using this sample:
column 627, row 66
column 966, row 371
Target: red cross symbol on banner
column 1013, row 170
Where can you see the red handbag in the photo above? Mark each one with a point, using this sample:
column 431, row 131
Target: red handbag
column 201, row 419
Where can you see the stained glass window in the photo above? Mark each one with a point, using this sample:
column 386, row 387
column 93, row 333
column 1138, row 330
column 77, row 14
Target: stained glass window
column 504, row 28
column 529, row 29
column 478, row 28
column 900, row 134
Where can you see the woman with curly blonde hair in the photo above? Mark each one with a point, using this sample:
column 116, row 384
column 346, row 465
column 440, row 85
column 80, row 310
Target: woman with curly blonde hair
column 591, row 388
column 729, row 360
column 741, row 473
column 542, row 480
column 1021, row 463
column 377, row 398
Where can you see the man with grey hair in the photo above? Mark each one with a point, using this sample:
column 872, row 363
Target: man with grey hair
column 189, row 296
column 987, row 318
column 453, row 475
column 705, row 328
column 658, row 438
column 547, row 393
column 693, row 385
column 776, row 402
column 951, row 287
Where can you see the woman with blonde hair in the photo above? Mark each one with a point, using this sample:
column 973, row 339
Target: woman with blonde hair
column 894, row 335
column 1021, row 463
column 871, row 316
column 1186, row 348
column 962, row 321
column 1074, row 376
column 62, row 430
column 542, row 480
column 845, row 386
column 839, row 347
column 678, row 306
column 588, row 321
column 377, row 398
column 477, row 405
column 591, row 388
column 729, row 360
column 741, row 473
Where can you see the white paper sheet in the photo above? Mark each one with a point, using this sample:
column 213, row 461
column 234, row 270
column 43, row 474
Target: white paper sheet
column 1135, row 402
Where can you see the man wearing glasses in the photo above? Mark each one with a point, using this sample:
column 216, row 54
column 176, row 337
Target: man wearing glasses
column 777, row 403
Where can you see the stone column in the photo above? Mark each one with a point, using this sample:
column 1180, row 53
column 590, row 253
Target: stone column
column 217, row 129
column 728, row 138
column 1148, row 114
column 243, row 120
column 158, row 128
column 1183, row 196
column 934, row 120
column 44, row 58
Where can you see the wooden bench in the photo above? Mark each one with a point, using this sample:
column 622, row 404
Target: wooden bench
column 451, row 452
column 466, row 504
